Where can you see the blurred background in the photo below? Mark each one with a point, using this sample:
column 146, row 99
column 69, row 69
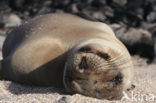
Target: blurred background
column 133, row 21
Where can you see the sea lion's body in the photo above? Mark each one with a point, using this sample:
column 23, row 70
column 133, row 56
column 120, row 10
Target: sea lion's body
column 36, row 52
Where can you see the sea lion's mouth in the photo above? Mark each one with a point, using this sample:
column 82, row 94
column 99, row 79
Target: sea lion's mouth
column 72, row 80
column 69, row 78
column 117, row 79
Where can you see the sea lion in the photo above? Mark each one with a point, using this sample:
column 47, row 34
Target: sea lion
column 66, row 51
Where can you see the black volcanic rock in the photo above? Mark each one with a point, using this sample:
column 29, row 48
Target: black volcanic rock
column 135, row 18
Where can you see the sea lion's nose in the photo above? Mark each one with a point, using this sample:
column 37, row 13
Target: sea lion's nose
column 83, row 64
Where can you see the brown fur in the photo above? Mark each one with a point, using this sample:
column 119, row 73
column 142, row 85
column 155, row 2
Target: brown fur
column 45, row 51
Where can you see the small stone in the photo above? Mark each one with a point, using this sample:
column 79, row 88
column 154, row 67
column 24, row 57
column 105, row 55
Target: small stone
column 138, row 41
column 2, row 38
column 62, row 100
column 120, row 2
column 115, row 26
column 17, row 4
column 98, row 3
column 0, row 59
column 3, row 31
column 99, row 15
column 108, row 11
column 151, row 17
column 12, row 21
column 74, row 8
column 133, row 36
column 59, row 11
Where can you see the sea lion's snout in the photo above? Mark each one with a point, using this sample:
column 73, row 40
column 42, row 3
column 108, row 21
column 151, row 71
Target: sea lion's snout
column 95, row 71
column 89, row 59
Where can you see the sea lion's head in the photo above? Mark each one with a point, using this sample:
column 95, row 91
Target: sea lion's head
column 98, row 68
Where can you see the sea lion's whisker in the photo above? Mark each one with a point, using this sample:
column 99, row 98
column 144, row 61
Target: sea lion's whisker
column 117, row 64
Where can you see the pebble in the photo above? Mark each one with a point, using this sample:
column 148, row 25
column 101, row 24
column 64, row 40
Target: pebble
column 12, row 21
column 152, row 17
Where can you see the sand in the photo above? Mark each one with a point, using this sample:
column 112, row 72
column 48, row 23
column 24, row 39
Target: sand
column 144, row 79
